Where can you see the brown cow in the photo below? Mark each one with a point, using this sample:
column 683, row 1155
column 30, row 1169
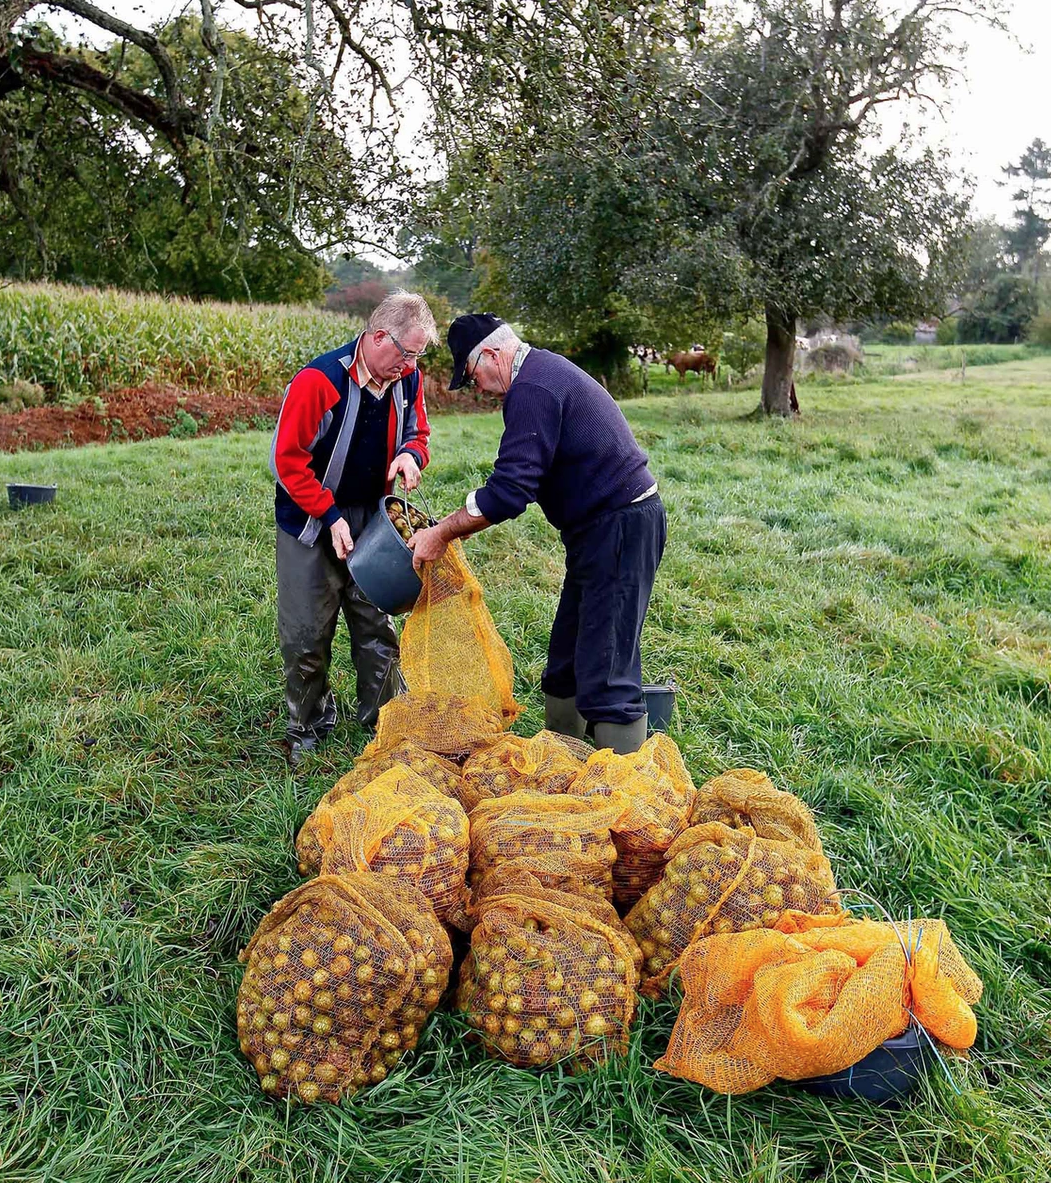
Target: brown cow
column 699, row 362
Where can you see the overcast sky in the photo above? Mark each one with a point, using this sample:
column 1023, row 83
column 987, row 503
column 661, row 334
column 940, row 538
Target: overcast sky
column 1004, row 105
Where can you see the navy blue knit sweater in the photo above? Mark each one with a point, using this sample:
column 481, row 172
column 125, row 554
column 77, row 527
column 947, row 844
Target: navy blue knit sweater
column 566, row 445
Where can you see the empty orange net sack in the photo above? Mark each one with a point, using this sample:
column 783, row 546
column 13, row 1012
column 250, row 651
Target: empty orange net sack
column 514, row 764
column 397, row 826
column 450, row 644
column 767, row 1004
column 446, row 724
column 339, row 979
column 721, row 880
column 659, row 795
column 549, row 976
column 745, row 797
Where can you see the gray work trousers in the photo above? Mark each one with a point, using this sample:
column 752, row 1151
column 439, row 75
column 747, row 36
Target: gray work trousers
column 312, row 586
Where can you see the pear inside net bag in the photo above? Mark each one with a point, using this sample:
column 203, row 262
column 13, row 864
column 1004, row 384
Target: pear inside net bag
column 768, row 1004
column 745, row 797
column 397, row 826
column 544, row 763
column 339, row 979
column 658, row 796
column 450, row 644
column 549, row 976
column 721, row 880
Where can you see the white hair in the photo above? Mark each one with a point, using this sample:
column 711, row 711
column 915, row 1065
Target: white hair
column 501, row 338
column 401, row 311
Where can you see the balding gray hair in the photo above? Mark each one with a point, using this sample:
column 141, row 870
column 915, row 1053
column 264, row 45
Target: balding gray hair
column 401, row 311
column 501, row 338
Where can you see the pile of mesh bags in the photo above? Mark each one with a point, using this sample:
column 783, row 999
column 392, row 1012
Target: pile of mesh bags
column 573, row 880
column 724, row 895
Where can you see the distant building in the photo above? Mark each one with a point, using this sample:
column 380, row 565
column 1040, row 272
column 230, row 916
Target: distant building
column 926, row 332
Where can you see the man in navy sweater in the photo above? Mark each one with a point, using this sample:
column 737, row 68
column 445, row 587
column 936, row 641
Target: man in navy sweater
column 567, row 447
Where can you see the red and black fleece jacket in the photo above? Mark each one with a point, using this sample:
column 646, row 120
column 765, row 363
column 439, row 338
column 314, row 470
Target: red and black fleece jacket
column 314, row 429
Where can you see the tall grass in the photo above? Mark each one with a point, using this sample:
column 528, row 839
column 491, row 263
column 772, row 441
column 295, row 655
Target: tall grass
column 859, row 603
column 76, row 342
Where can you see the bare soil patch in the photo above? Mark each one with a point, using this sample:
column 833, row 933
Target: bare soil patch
column 149, row 411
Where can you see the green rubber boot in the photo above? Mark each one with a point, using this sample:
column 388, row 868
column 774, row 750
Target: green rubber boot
column 621, row 737
column 562, row 717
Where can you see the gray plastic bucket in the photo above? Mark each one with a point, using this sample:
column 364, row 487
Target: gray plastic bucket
column 20, row 495
column 887, row 1074
column 381, row 564
column 660, row 702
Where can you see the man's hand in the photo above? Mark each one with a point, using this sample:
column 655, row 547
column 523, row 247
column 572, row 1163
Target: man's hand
column 427, row 546
column 409, row 469
column 342, row 542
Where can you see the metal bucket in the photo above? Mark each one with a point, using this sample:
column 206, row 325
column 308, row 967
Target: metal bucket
column 20, row 495
column 381, row 564
column 660, row 702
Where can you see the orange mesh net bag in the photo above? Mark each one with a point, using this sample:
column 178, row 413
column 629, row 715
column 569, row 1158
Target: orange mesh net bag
column 339, row 979
column 572, row 874
column 549, row 976
column 767, row 1004
column 659, row 794
column 442, row 723
column 720, row 880
column 396, row 826
column 744, row 797
column 513, row 764
column 450, row 644
column 441, row 774
column 531, row 827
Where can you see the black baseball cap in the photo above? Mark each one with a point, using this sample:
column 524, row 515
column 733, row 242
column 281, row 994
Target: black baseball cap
column 465, row 333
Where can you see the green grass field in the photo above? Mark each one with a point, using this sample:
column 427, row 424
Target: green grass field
column 859, row 603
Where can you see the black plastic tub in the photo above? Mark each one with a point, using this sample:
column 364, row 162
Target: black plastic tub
column 381, row 564
column 885, row 1075
column 660, row 702
column 21, row 495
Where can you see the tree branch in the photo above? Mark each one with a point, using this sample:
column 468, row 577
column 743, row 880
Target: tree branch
column 144, row 40
column 176, row 125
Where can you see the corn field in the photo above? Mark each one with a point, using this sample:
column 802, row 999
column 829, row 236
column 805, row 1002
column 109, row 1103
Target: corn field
column 78, row 342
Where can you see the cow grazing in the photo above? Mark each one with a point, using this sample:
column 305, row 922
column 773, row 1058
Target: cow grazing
column 699, row 362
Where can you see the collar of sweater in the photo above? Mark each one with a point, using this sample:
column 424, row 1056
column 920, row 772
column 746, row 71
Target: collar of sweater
column 359, row 373
column 521, row 353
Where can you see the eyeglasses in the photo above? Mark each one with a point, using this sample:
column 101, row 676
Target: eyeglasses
column 406, row 355
column 477, row 363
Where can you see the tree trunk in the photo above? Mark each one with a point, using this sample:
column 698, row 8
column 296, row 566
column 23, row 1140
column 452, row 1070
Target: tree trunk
column 779, row 392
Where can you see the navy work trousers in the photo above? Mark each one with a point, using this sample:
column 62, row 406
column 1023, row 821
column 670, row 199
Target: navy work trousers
column 594, row 655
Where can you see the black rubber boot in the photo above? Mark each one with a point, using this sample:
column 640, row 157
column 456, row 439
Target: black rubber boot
column 623, row 738
column 562, row 717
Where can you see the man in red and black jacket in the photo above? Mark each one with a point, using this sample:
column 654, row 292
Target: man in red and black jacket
column 351, row 422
